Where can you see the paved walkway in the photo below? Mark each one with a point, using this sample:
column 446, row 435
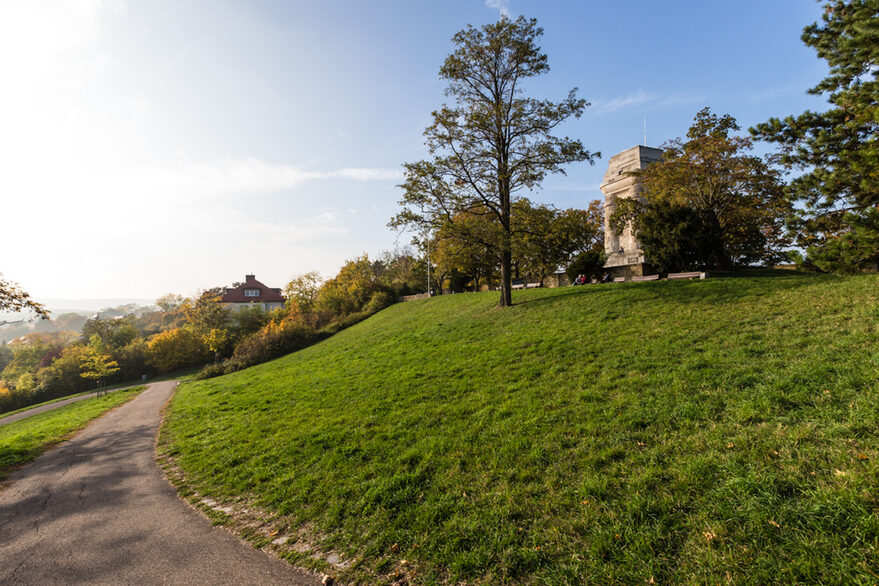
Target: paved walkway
column 53, row 405
column 97, row 510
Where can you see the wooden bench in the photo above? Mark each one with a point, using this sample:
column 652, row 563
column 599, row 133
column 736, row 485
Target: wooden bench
column 518, row 286
column 532, row 285
column 692, row 275
column 619, row 279
column 646, row 278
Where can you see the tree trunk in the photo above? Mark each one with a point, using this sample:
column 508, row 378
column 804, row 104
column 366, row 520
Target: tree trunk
column 506, row 262
column 506, row 236
column 506, row 280
column 722, row 260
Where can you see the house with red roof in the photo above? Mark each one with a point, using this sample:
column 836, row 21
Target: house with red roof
column 253, row 293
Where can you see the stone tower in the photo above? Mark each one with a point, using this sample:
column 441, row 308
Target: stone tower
column 624, row 255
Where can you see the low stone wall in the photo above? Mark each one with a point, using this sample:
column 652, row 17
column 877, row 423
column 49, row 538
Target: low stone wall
column 414, row 297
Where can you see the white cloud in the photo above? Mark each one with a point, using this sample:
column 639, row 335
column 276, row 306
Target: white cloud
column 245, row 176
column 641, row 98
column 502, row 6
column 621, row 102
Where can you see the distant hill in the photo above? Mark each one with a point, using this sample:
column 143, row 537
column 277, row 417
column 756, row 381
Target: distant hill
column 64, row 314
column 91, row 306
column 669, row 432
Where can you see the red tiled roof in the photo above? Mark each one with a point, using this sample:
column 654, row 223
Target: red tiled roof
column 236, row 295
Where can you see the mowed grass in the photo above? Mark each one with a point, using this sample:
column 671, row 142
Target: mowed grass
column 686, row 432
column 23, row 440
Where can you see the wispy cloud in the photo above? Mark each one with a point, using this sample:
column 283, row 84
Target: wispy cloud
column 621, row 102
column 249, row 175
column 502, row 6
column 644, row 99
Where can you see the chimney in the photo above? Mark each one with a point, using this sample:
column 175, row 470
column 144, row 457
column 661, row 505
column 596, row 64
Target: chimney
column 249, row 278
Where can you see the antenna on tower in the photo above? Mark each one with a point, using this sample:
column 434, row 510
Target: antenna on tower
column 645, row 130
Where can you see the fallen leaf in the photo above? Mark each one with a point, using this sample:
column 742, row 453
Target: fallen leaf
column 774, row 524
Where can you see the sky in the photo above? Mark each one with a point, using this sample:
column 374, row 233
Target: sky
column 159, row 146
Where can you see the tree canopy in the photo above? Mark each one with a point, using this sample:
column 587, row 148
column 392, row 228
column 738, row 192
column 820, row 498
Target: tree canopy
column 493, row 142
column 837, row 150
column 731, row 193
column 14, row 298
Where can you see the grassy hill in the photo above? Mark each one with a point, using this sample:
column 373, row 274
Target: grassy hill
column 675, row 431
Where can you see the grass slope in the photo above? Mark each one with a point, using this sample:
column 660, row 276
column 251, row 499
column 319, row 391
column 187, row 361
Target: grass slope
column 725, row 430
column 22, row 441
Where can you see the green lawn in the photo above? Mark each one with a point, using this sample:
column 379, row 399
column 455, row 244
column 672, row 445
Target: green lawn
column 22, row 441
column 686, row 432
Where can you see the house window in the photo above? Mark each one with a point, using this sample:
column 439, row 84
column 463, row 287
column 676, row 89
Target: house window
column 251, row 292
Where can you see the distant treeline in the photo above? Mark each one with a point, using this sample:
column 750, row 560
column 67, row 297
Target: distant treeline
column 47, row 361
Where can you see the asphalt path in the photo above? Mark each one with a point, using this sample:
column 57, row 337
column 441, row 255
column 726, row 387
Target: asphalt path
column 98, row 510
column 53, row 405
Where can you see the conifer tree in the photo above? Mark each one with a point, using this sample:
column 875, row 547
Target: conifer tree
column 838, row 150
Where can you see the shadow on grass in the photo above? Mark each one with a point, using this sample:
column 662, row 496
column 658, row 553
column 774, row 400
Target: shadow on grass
column 567, row 291
column 720, row 287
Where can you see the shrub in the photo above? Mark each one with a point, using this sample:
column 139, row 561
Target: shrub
column 378, row 301
column 62, row 377
column 589, row 263
column 212, row 370
column 273, row 340
column 132, row 359
column 11, row 399
column 176, row 348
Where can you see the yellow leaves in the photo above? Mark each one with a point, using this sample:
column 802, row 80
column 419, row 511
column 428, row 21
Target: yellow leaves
column 709, row 536
column 774, row 524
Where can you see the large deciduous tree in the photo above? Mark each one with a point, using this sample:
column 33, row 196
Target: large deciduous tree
column 733, row 195
column 493, row 141
column 838, row 150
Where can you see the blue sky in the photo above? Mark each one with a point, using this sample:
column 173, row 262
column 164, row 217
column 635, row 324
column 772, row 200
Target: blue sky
column 161, row 146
